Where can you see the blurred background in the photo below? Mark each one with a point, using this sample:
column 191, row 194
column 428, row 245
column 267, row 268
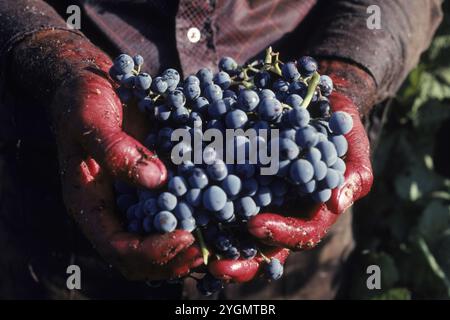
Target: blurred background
column 403, row 225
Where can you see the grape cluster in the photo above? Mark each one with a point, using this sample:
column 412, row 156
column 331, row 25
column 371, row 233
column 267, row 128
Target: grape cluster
column 214, row 199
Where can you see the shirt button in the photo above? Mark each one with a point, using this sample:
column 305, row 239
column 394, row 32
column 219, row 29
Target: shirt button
column 193, row 35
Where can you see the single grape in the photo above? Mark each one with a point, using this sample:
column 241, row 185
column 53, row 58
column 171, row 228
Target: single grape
column 223, row 243
column 307, row 66
column 205, row 76
column 185, row 168
column 123, row 64
column 177, row 185
column 288, row 134
column 298, row 88
column 150, row 206
column 222, row 79
column 159, row 85
column 214, row 198
column 176, row 99
column 308, row 187
column 180, row 115
column 294, row 100
column 143, row 81
column 321, row 195
column 192, row 80
column 269, row 109
column 331, row 179
column 198, row 178
column 232, row 185
column 328, row 151
column 274, row 269
column 138, row 60
column 277, row 201
column 280, row 86
column 217, row 109
column 266, row 94
column 341, row 122
column 339, row 165
column 213, row 92
column 172, row 77
column 192, row 91
column 320, row 170
column 228, row 64
column 249, row 251
column 165, row 222
column 263, row 197
column 229, row 94
column 288, row 149
column 283, row 168
column 306, row 137
column 200, row 105
column 248, row 100
column 232, row 253
column 299, row 117
column 325, row 85
column 236, row 119
column 188, row 224
column 262, row 80
column 301, row 171
column 194, row 197
column 340, row 143
column 290, row 72
column 217, row 171
column 226, row 214
column 167, row 201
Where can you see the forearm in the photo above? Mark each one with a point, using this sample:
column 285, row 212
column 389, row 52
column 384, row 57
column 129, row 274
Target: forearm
column 388, row 54
column 37, row 50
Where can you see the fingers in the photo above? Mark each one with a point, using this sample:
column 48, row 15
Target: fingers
column 93, row 116
column 89, row 198
column 243, row 270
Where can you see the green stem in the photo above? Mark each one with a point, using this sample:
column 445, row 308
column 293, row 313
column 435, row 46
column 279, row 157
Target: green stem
column 311, row 89
column 204, row 249
column 266, row 259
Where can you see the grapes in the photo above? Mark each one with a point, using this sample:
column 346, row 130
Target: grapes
column 341, row 123
column 216, row 199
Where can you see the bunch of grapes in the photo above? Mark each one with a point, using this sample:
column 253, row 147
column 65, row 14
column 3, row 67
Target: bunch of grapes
column 214, row 199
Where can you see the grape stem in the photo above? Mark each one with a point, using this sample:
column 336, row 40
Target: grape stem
column 314, row 82
column 204, row 249
column 266, row 259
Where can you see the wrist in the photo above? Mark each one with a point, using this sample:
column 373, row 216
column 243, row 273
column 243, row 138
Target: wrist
column 351, row 81
column 50, row 58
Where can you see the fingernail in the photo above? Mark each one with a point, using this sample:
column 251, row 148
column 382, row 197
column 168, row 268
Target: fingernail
column 150, row 175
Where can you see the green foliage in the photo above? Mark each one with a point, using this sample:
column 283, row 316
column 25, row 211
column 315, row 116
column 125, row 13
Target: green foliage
column 404, row 223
